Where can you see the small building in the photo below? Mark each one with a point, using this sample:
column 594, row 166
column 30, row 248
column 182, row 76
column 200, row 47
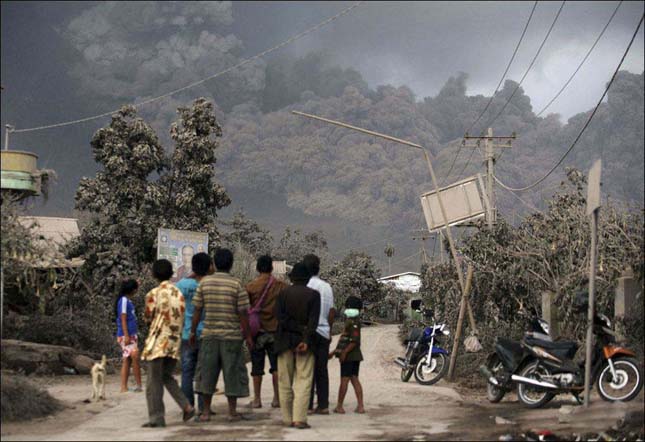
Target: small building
column 408, row 281
column 51, row 234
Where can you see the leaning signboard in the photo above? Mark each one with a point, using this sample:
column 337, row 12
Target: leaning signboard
column 178, row 247
column 464, row 201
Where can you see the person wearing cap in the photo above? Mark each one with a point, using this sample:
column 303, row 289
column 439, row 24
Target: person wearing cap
column 297, row 310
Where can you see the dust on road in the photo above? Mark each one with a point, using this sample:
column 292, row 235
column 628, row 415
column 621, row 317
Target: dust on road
column 395, row 410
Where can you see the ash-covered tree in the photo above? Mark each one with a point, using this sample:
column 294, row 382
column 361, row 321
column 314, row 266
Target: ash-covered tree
column 248, row 240
column 244, row 233
column 127, row 204
column 139, row 189
column 547, row 252
column 190, row 195
column 356, row 275
column 122, row 200
column 19, row 250
column 295, row 244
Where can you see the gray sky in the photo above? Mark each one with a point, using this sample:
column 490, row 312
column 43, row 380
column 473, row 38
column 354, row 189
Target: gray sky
column 421, row 44
column 60, row 60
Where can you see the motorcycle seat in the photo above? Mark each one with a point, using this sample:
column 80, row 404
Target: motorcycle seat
column 563, row 348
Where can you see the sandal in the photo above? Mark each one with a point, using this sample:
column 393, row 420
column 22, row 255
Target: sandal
column 154, row 425
column 135, row 390
column 237, row 418
column 200, row 419
column 188, row 415
column 301, row 425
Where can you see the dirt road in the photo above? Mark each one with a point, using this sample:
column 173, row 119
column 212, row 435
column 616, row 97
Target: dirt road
column 395, row 410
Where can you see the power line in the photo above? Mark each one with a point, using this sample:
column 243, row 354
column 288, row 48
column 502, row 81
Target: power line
column 452, row 166
column 613, row 77
column 527, row 204
column 197, row 83
column 546, row 37
column 602, row 32
column 583, row 60
column 508, row 66
column 468, row 162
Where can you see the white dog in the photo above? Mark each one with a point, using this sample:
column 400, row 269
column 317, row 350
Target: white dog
column 98, row 379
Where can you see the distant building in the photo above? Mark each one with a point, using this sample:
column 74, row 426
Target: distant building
column 51, row 233
column 408, row 281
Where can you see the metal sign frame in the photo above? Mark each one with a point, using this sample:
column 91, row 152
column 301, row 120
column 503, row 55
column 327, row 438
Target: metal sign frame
column 472, row 208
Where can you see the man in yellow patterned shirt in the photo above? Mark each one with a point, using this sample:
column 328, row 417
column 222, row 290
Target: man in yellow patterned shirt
column 165, row 312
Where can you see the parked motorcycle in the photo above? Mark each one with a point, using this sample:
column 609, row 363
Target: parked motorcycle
column 542, row 368
column 507, row 359
column 423, row 357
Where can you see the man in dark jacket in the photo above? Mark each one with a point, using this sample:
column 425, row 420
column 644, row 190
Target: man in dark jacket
column 297, row 310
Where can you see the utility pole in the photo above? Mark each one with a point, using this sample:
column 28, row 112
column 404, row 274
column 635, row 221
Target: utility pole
column 489, row 158
column 8, row 128
column 422, row 246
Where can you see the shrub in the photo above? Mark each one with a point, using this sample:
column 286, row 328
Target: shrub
column 23, row 400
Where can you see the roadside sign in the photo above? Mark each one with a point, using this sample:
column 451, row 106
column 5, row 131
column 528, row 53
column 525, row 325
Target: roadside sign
column 463, row 202
column 178, row 247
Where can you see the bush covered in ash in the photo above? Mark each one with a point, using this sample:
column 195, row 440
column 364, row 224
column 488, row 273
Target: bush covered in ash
column 547, row 252
column 23, row 400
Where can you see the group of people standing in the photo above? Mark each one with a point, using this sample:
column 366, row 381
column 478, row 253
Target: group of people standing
column 206, row 318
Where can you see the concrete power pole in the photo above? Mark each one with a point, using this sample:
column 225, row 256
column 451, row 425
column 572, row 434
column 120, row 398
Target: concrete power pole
column 489, row 158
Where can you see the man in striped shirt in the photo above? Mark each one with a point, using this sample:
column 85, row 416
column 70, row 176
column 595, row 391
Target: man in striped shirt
column 225, row 304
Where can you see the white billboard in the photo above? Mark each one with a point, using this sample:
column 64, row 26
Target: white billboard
column 464, row 201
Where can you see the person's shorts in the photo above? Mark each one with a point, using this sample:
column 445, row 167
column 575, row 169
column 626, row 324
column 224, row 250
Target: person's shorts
column 349, row 369
column 217, row 355
column 126, row 350
column 263, row 347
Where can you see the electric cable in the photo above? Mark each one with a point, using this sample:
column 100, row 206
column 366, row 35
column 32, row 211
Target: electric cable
column 508, row 66
column 582, row 62
column 526, row 203
column 575, row 141
column 197, row 83
column 546, row 37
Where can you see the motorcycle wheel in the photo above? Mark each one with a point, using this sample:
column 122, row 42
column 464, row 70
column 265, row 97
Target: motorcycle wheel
column 494, row 393
column 628, row 384
column 432, row 373
column 406, row 374
column 531, row 396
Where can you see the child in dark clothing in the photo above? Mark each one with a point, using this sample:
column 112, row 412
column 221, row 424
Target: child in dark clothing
column 348, row 351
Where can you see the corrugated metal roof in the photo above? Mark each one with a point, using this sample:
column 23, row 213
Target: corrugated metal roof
column 53, row 233
column 52, row 229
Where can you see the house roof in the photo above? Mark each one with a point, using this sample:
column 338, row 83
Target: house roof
column 398, row 275
column 407, row 281
column 52, row 233
column 55, row 230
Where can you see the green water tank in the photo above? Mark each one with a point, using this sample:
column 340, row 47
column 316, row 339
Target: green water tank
column 19, row 172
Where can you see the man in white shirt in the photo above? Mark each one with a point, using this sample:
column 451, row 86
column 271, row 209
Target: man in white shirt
column 320, row 347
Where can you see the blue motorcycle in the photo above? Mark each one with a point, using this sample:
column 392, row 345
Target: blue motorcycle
column 423, row 357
